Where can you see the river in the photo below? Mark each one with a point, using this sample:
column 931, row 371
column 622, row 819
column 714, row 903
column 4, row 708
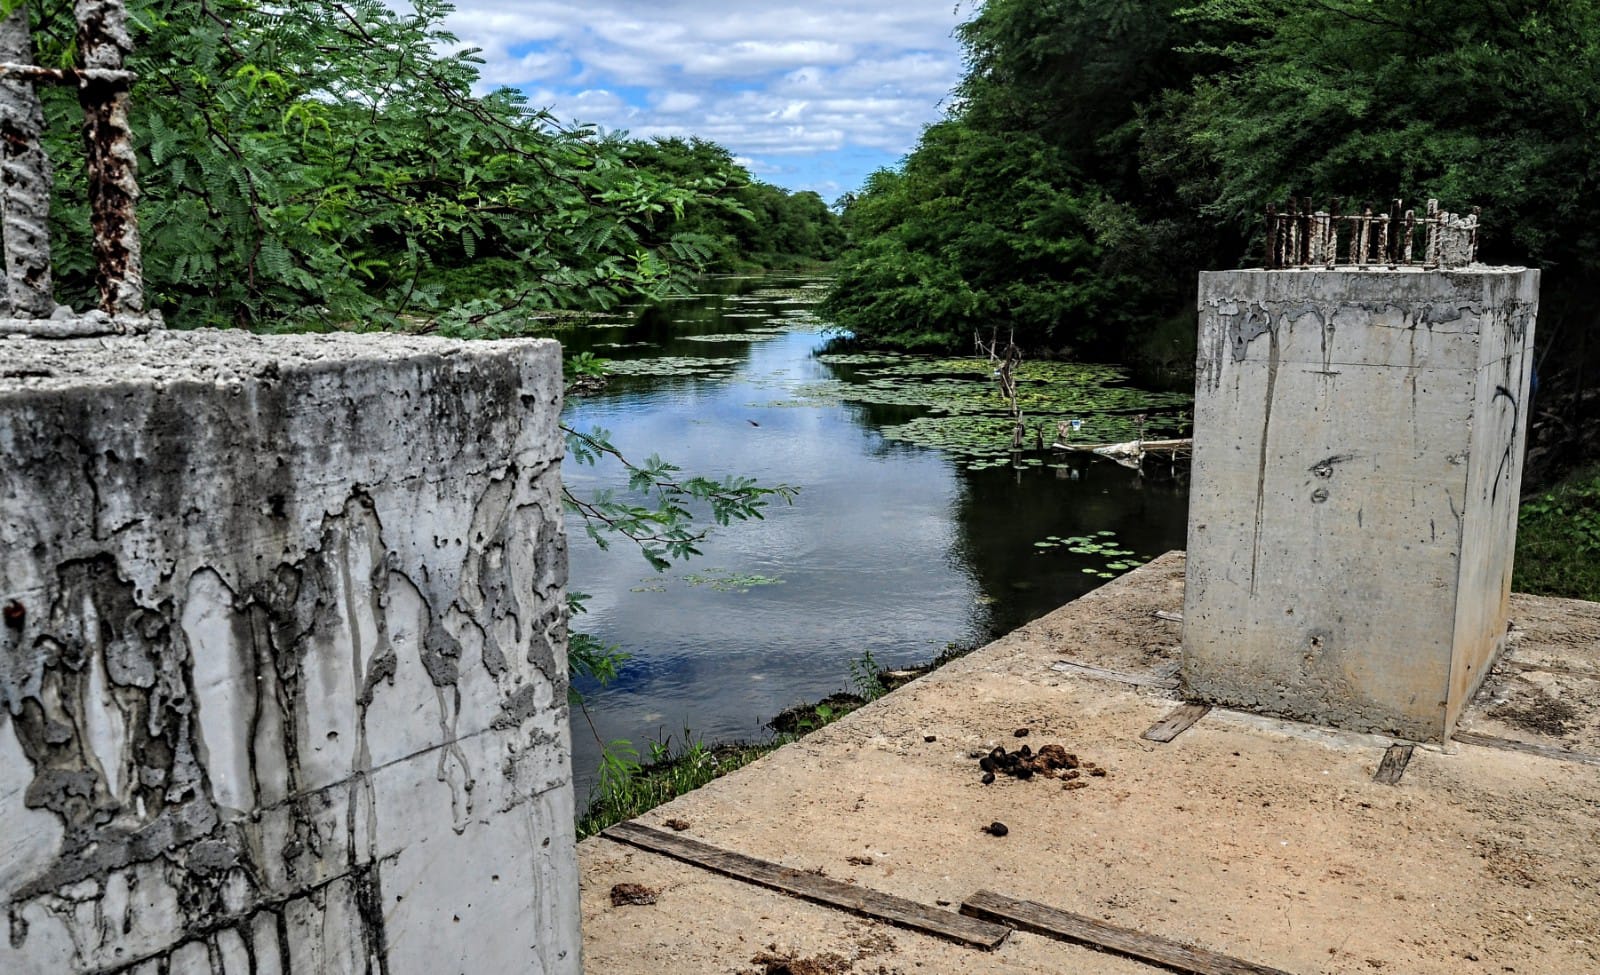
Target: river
column 893, row 547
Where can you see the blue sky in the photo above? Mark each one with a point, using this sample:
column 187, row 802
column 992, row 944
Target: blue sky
column 808, row 96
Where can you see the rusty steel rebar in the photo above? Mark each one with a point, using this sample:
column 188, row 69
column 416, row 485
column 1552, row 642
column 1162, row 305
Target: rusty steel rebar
column 1297, row 236
column 103, row 44
column 25, row 179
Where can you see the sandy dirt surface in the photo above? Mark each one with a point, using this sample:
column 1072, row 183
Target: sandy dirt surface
column 1262, row 839
column 1546, row 688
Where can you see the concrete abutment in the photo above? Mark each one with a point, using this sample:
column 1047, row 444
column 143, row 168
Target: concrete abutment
column 283, row 657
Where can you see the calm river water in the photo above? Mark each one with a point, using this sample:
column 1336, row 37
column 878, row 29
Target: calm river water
column 891, row 548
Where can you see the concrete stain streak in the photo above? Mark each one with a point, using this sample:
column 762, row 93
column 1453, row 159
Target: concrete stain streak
column 1380, row 619
column 215, row 709
column 1261, row 458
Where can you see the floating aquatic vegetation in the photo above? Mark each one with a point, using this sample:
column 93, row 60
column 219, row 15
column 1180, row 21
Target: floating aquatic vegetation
column 724, row 580
column 990, row 435
column 718, row 580
column 961, row 410
column 671, row 365
column 1071, row 388
column 781, row 295
column 751, row 336
column 968, row 416
column 1102, row 544
column 859, row 358
column 984, row 464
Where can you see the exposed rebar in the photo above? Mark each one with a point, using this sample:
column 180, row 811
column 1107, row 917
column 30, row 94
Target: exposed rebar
column 25, row 180
column 104, row 43
column 1297, row 237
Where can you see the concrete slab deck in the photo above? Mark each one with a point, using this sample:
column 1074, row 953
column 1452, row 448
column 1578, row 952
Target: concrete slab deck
column 1253, row 837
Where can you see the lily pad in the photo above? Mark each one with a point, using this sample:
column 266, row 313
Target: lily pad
column 672, row 365
column 732, row 337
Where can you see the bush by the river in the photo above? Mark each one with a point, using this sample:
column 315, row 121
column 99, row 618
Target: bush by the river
column 1558, row 539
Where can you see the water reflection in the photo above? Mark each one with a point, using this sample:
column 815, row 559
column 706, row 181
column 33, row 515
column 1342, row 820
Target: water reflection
column 891, row 548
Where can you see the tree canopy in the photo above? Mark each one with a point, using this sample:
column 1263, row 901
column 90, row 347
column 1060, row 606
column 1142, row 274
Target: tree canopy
column 1100, row 152
column 332, row 162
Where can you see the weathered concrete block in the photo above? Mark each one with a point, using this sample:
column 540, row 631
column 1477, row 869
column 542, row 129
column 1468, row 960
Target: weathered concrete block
column 1357, row 465
column 283, row 657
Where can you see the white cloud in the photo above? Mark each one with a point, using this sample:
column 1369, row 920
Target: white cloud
column 811, row 83
column 676, row 102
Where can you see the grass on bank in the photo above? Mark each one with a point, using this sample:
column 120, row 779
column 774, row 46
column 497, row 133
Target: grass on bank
column 631, row 784
column 1558, row 539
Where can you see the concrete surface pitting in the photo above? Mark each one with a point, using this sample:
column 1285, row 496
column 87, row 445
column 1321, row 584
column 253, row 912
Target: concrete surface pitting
column 283, row 657
column 1358, row 454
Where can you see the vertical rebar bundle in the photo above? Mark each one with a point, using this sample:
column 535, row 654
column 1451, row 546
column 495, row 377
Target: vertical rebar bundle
column 1299, row 237
column 102, row 85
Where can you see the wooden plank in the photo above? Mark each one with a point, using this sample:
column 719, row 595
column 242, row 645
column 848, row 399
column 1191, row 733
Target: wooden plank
column 1176, row 723
column 1184, row 444
column 812, row 887
column 1512, row 745
column 1101, row 673
column 1170, row 617
column 1086, row 931
column 1525, row 667
column 1394, row 764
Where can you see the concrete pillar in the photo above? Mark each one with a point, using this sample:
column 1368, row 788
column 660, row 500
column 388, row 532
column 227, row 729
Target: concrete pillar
column 1358, row 455
column 282, row 657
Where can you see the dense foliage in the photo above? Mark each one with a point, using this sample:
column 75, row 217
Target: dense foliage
column 1100, row 152
column 1558, row 539
column 328, row 161
column 747, row 223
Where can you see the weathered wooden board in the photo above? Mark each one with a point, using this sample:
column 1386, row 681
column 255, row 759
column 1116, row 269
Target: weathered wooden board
column 812, row 887
column 1176, row 723
column 1526, row 667
column 1121, row 677
column 1512, row 745
column 1393, row 765
column 1066, row 926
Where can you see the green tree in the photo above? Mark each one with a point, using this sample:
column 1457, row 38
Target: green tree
column 1493, row 103
column 741, row 222
column 326, row 162
column 1100, row 153
column 1026, row 209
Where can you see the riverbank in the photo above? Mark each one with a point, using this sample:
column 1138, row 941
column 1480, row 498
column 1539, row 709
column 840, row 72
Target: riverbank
column 633, row 787
column 1260, row 839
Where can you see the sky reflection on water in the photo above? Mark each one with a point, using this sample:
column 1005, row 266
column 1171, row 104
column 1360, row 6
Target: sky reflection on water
column 890, row 548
